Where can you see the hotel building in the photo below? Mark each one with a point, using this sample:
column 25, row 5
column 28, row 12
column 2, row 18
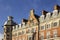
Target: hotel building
column 44, row 27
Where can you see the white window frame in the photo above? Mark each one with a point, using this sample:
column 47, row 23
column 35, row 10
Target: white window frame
column 54, row 33
column 48, row 35
column 49, row 26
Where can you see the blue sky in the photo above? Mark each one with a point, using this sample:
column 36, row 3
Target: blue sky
column 20, row 9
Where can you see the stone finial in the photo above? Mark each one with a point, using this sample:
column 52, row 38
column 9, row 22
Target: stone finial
column 56, row 7
column 32, row 11
column 44, row 12
column 10, row 17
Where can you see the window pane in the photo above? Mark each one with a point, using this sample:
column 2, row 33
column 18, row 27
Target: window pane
column 55, row 24
column 48, row 26
column 42, row 27
column 55, row 33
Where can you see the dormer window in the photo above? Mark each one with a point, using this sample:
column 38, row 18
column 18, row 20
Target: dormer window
column 42, row 18
column 55, row 13
column 48, row 15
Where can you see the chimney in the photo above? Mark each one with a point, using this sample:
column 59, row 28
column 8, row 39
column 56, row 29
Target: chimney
column 44, row 12
column 56, row 7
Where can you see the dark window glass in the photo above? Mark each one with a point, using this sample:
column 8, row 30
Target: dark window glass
column 48, row 26
column 55, row 24
column 42, row 27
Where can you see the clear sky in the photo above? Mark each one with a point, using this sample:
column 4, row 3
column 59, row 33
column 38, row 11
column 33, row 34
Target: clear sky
column 20, row 9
